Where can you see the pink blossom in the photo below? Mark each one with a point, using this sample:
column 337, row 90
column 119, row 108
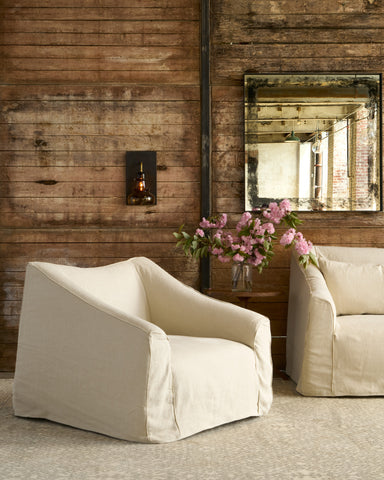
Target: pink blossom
column 273, row 213
column 285, row 206
column 222, row 221
column 268, row 227
column 204, row 223
column 247, row 245
column 228, row 240
column 277, row 212
column 238, row 258
column 218, row 234
column 303, row 247
column 247, row 249
column 257, row 259
column 245, row 218
column 288, row 237
column 257, row 224
column 260, row 241
column 258, row 232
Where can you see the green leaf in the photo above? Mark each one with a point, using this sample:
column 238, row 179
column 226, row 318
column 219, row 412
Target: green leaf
column 304, row 260
column 218, row 242
column 313, row 259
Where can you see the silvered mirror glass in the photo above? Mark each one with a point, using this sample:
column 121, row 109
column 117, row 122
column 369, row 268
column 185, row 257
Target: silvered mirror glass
column 314, row 139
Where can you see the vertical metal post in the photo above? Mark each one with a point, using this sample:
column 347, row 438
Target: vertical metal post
column 205, row 102
column 318, row 175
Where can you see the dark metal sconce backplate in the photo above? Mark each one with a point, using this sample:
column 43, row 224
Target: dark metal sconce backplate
column 133, row 160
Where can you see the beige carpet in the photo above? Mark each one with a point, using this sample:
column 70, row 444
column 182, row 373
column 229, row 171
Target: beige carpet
column 301, row 438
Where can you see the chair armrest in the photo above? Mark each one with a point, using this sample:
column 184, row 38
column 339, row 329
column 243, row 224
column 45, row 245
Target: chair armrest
column 310, row 326
column 318, row 287
column 84, row 363
column 181, row 310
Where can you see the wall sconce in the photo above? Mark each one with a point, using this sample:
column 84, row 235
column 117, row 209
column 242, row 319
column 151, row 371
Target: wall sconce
column 140, row 178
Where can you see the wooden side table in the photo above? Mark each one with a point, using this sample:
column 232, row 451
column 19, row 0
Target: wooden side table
column 242, row 297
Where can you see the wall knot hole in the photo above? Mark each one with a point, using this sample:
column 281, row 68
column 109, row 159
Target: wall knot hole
column 46, row 182
column 39, row 142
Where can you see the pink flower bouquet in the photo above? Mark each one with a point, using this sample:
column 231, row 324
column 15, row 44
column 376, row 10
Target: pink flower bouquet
column 253, row 240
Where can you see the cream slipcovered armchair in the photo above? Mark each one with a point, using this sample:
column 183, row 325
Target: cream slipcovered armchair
column 129, row 351
column 335, row 333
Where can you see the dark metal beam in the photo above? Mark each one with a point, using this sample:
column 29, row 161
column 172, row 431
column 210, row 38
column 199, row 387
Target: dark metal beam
column 205, row 101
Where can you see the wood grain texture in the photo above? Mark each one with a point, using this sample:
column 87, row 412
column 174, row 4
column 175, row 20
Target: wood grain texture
column 79, row 86
column 158, row 12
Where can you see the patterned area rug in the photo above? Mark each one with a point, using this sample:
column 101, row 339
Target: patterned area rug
column 301, row 438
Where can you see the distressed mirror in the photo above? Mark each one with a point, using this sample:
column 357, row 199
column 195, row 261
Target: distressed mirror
column 314, row 139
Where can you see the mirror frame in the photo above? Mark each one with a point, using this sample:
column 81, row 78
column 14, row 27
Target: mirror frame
column 253, row 82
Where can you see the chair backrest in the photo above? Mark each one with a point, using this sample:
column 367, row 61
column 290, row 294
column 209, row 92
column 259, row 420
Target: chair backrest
column 357, row 255
column 354, row 277
column 118, row 284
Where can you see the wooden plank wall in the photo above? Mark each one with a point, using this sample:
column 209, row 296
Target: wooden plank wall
column 281, row 36
column 81, row 82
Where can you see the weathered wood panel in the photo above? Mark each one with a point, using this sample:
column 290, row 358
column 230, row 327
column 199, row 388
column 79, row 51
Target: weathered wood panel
column 106, row 112
column 160, row 12
column 92, row 174
column 102, row 76
column 143, row 219
column 268, row 36
column 51, row 158
column 53, row 189
column 79, row 86
column 118, row 39
column 298, row 7
column 150, row 4
column 80, row 29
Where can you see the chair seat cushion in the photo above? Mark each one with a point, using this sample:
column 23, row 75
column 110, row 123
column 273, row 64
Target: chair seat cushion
column 212, row 380
column 358, row 355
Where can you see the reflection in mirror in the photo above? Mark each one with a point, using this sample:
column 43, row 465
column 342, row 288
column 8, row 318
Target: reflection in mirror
column 314, row 139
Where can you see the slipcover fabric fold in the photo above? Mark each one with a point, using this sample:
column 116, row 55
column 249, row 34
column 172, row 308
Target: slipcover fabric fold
column 129, row 351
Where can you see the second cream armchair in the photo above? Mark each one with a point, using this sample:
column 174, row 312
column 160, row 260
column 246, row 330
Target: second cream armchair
column 336, row 323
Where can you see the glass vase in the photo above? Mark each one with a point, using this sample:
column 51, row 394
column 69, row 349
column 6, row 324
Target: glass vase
column 241, row 277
